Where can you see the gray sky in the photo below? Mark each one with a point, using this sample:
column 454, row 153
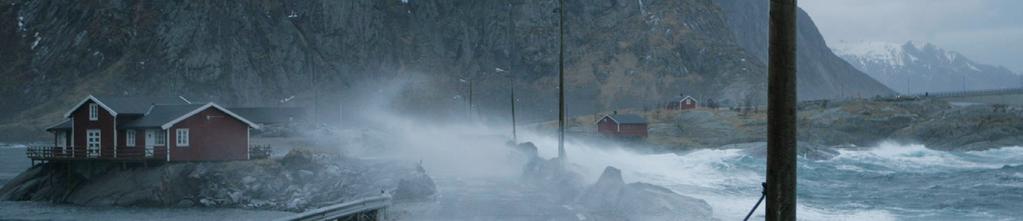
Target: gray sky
column 987, row 31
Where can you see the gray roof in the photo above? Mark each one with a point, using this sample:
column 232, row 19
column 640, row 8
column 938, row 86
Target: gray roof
column 628, row 119
column 66, row 125
column 137, row 105
column 161, row 114
column 270, row 115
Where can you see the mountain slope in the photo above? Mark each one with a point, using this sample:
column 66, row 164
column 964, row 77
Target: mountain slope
column 923, row 67
column 820, row 73
column 329, row 54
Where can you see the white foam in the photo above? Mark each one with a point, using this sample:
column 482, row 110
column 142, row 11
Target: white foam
column 911, row 157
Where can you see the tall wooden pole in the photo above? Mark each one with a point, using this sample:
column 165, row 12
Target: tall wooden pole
column 781, row 112
column 561, row 80
column 511, row 66
column 515, row 137
column 469, row 111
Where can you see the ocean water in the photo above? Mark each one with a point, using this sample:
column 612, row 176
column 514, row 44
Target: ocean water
column 887, row 182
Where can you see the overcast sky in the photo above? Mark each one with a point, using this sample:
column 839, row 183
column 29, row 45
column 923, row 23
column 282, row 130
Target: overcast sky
column 987, row 31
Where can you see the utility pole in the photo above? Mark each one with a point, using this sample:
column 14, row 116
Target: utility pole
column 469, row 109
column 781, row 112
column 561, row 80
column 511, row 63
column 512, row 97
column 515, row 138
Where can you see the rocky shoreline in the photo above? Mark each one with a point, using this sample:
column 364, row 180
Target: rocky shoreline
column 855, row 123
column 610, row 197
column 301, row 180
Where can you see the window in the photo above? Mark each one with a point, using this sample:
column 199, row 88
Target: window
column 129, row 136
column 61, row 139
column 160, row 138
column 93, row 112
column 182, row 137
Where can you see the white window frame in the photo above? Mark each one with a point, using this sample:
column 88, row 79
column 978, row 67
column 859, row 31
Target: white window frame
column 160, row 140
column 181, row 137
column 129, row 138
column 93, row 112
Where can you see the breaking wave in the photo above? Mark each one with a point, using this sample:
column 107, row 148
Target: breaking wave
column 888, row 182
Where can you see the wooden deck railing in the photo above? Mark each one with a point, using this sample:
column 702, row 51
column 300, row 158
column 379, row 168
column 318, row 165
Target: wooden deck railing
column 122, row 153
column 78, row 153
column 260, row 152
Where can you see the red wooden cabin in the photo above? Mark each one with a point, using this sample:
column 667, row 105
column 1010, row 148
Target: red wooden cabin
column 683, row 103
column 148, row 128
column 622, row 126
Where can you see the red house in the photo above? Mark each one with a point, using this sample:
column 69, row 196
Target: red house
column 622, row 126
column 683, row 103
column 147, row 129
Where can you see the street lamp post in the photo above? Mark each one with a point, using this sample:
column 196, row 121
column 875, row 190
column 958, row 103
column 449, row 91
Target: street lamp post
column 512, row 98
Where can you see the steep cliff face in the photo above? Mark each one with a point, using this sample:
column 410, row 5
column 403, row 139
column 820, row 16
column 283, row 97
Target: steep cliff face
column 619, row 53
column 325, row 53
column 821, row 74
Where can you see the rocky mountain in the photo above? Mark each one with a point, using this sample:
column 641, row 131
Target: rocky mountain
column 820, row 73
column 415, row 55
column 923, row 67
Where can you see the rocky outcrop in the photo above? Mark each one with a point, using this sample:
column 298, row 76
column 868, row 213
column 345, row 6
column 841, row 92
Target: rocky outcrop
column 563, row 179
column 611, row 199
column 967, row 128
column 931, row 122
column 302, row 180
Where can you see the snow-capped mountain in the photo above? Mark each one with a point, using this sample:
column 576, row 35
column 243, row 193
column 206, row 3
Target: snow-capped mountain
column 916, row 67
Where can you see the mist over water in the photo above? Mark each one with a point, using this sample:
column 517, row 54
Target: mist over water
column 890, row 181
column 473, row 165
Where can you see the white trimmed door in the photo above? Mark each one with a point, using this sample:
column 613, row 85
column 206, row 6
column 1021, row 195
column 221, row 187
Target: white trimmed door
column 150, row 142
column 92, row 143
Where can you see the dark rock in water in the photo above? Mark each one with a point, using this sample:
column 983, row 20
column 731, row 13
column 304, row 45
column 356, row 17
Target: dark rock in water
column 553, row 174
column 610, row 185
column 415, row 187
column 301, row 181
column 528, row 149
column 611, row 199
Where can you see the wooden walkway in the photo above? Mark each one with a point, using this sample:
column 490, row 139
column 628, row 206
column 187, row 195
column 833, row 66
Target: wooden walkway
column 365, row 209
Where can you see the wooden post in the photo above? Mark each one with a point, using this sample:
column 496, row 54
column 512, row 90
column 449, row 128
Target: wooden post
column 781, row 112
column 469, row 110
column 515, row 138
column 561, row 80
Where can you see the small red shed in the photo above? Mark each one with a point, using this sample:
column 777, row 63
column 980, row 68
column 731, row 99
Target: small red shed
column 682, row 103
column 622, row 126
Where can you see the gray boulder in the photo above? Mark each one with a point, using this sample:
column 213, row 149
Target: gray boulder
column 611, row 199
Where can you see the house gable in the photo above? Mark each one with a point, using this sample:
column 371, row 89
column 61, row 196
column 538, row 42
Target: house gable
column 609, row 118
column 204, row 107
column 688, row 98
column 86, row 100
